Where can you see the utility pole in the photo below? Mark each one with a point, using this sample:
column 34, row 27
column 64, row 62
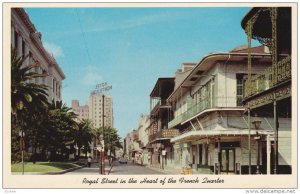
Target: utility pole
column 100, row 89
column 103, row 150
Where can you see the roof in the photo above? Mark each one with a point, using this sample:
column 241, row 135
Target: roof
column 161, row 83
column 207, row 62
column 262, row 28
column 36, row 37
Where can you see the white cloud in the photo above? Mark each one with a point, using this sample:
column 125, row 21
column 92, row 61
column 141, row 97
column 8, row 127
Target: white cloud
column 91, row 78
column 54, row 49
column 139, row 21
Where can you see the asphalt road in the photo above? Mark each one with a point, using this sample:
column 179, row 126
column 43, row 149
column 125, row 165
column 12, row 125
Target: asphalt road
column 131, row 169
column 93, row 170
column 122, row 169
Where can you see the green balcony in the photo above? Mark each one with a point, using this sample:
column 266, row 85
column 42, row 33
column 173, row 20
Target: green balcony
column 269, row 78
column 192, row 111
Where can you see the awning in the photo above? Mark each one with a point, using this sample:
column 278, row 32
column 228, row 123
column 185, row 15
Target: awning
column 210, row 133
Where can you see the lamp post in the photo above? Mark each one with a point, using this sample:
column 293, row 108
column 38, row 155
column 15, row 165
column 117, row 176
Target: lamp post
column 22, row 147
column 257, row 123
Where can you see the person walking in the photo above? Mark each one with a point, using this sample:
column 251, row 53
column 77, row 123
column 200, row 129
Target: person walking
column 89, row 161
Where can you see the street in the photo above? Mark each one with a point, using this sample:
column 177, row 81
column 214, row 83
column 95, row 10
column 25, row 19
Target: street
column 130, row 169
column 126, row 169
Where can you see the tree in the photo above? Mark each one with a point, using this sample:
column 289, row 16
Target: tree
column 24, row 93
column 27, row 98
column 61, row 128
column 84, row 136
column 110, row 136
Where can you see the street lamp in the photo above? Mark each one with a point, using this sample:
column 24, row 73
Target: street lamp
column 257, row 123
column 22, row 147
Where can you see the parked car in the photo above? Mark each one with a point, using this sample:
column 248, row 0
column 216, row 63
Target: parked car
column 122, row 160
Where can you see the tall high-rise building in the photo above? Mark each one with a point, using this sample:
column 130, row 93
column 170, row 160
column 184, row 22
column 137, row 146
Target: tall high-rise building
column 81, row 111
column 101, row 110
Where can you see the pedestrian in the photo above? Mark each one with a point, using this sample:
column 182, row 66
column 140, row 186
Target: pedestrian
column 89, row 161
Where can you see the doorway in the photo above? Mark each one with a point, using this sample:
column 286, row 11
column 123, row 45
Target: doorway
column 227, row 160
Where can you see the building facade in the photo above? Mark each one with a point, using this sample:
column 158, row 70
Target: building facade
column 268, row 92
column 82, row 112
column 27, row 41
column 101, row 110
column 209, row 113
column 161, row 149
column 143, row 140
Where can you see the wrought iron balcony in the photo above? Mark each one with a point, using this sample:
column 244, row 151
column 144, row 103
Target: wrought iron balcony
column 164, row 133
column 192, row 111
column 158, row 105
column 269, row 78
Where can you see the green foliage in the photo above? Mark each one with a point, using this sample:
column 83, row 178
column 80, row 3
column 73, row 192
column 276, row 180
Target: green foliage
column 25, row 94
column 17, row 156
column 60, row 128
column 84, row 135
column 27, row 99
column 49, row 127
column 110, row 136
column 43, row 166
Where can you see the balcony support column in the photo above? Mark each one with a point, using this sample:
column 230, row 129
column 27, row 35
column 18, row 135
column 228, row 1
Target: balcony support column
column 268, row 154
column 276, row 136
column 273, row 13
column 201, row 127
column 249, row 137
column 193, row 126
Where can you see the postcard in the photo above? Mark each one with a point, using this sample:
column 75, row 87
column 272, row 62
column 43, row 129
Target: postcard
column 150, row 95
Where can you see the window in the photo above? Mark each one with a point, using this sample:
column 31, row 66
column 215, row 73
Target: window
column 44, row 78
column 239, row 89
column 16, row 40
column 23, row 48
column 30, row 58
column 53, row 85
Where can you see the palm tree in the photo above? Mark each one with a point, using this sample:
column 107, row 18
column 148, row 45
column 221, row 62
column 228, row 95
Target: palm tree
column 110, row 136
column 25, row 94
column 61, row 127
column 27, row 98
column 84, row 135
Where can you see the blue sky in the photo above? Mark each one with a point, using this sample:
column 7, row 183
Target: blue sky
column 130, row 48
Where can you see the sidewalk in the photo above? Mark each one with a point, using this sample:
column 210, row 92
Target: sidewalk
column 107, row 167
column 170, row 170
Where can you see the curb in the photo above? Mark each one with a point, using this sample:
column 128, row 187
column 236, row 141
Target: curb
column 49, row 173
column 65, row 171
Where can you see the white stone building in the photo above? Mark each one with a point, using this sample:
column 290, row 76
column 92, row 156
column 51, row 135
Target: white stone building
column 28, row 41
column 209, row 113
column 143, row 138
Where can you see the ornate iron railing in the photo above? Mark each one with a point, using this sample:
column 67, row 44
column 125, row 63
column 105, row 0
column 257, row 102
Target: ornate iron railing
column 264, row 80
column 165, row 133
column 284, row 70
column 192, row 111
